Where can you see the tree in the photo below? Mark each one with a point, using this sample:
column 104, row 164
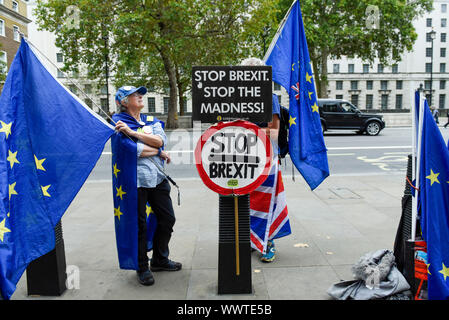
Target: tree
column 369, row 30
column 155, row 41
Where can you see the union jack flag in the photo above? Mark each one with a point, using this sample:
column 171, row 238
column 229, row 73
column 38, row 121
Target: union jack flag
column 268, row 211
column 296, row 89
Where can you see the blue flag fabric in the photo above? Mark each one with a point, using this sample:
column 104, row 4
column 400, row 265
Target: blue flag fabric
column 289, row 57
column 50, row 142
column 434, row 203
column 124, row 177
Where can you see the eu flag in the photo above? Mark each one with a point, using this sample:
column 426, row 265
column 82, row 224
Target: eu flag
column 434, row 203
column 50, row 142
column 124, row 183
column 289, row 57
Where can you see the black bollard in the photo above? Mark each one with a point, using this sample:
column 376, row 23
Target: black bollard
column 46, row 276
column 234, row 245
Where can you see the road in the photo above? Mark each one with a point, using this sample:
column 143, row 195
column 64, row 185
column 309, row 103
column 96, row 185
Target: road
column 348, row 154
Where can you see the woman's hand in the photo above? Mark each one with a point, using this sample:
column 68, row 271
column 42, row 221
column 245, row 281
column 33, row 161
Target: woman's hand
column 123, row 127
column 165, row 156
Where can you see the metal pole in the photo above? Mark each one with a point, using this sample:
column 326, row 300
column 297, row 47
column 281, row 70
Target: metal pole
column 237, row 246
column 431, row 77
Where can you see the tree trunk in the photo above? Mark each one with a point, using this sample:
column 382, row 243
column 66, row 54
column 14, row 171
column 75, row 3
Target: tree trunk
column 172, row 119
column 323, row 75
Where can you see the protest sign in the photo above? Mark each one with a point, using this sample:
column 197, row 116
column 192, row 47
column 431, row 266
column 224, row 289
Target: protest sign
column 225, row 93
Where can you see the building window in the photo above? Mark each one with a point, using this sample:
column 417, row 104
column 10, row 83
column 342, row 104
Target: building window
column 354, row 85
column 350, row 68
column 369, row 85
column 384, row 102
column 442, row 102
column 355, row 99
column 428, row 37
column 339, row 85
column 380, row 68
column 60, row 74
column 277, row 86
column 151, row 104
column 88, row 88
column 443, row 52
column 339, row 97
column 104, row 89
column 15, row 6
column 399, row 101
column 4, row 60
column 366, row 68
column 429, row 22
column 429, row 52
column 384, row 85
column 428, row 67
column 443, row 23
column 442, row 84
column 369, row 101
column 442, row 67
column 59, row 57
column 336, row 68
column 444, row 8
column 2, row 27
column 104, row 102
column 166, row 100
column 16, row 33
column 443, row 37
column 395, row 68
column 427, row 84
column 399, row 85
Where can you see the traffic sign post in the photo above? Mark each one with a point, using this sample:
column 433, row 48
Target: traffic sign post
column 233, row 159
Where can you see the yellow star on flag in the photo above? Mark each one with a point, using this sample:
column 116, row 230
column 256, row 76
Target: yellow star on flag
column 308, row 77
column 149, row 210
column 293, row 68
column 310, row 95
column 428, row 267
column 39, row 163
column 45, row 190
column 433, row 177
column 117, row 213
column 444, row 272
column 120, row 192
column 116, row 170
column 315, row 108
column 292, row 121
column 6, row 128
column 3, row 230
column 12, row 158
column 11, row 190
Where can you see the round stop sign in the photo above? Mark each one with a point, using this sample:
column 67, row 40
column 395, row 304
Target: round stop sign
column 233, row 157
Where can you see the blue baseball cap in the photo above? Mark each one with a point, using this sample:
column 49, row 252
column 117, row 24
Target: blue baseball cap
column 125, row 91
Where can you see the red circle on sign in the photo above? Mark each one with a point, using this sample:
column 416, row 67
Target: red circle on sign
column 260, row 133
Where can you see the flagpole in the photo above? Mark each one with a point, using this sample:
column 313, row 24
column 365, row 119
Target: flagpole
column 418, row 163
column 415, row 197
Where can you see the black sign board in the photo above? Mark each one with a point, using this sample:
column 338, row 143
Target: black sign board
column 225, row 93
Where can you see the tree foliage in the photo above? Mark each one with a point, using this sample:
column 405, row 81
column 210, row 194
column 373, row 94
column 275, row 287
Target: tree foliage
column 155, row 42
column 336, row 28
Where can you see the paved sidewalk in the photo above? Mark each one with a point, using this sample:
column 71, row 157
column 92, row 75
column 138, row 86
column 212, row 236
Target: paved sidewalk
column 332, row 227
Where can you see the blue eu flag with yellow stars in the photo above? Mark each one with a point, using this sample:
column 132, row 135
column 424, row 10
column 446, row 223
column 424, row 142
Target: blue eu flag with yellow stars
column 49, row 144
column 289, row 57
column 434, row 202
column 124, row 184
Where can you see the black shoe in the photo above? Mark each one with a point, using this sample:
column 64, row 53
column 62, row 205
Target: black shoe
column 169, row 266
column 145, row 277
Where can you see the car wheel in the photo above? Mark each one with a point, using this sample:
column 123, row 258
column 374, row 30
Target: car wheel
column 373, row 128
